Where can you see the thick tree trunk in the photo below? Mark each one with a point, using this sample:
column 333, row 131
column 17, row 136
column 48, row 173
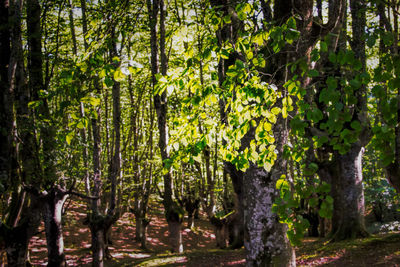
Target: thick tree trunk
column 53, row 225
column 175, row 235
column 17, row 236
column 221, row 231
column 265, row 237
column 17, row 248
column 349, row 201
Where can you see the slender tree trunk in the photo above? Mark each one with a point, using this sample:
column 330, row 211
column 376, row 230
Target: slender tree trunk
column 7, row 155
column 85, row 153
column 53, row 205
column 173, row 213
column 115, row 168
column 95, row 219
column 98, row 243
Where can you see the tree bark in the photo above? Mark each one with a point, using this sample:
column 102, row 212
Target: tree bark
column 349, row 203
column 24, row 218
column 17, row 235
column 98, row 243
column 7, row 155
column 229, row 32
column 265, row 237
column 53, row 205
column 173, row 212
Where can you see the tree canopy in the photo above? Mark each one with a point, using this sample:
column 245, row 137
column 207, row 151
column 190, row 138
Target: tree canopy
column 272, row 119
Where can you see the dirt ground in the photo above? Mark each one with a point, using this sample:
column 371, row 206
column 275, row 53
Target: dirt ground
column 200, row 246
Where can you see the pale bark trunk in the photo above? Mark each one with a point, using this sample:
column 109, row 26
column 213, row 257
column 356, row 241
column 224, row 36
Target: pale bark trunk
column 349, row 203
column 53, row 226
column 265, row 237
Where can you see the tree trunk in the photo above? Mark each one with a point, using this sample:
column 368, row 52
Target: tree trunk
column 7, row 155
column 190, row 221
column 17, row 248
column 141, row 230
column 53, row 226
column 18, row 234
column 221, row 231
column 349, row 203
column 98, row 246
column 175, row 235
column 236, row 222
column 172, row 211
column 265, row 237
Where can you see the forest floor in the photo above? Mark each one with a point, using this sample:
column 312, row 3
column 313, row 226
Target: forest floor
column 199, row 245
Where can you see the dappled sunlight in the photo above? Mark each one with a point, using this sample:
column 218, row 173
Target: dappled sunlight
column 124, row 248
column 235, row 263
column 380, row 250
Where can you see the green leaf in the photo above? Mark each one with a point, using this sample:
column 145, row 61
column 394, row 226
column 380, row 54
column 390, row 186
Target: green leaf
column 324, row 47
column 313, row 202
column 356, row 125
column 313, row 73
column 355, row 83
column 332, row 57
column 275, row 110
column 69, row 136
column 371, row 41
column 118, row 75
column 282, row 184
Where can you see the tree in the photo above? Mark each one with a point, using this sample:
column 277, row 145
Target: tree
column 260, row 184
column 172, row 211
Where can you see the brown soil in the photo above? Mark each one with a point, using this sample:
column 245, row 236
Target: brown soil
column 199, row 243
column 200, row 246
